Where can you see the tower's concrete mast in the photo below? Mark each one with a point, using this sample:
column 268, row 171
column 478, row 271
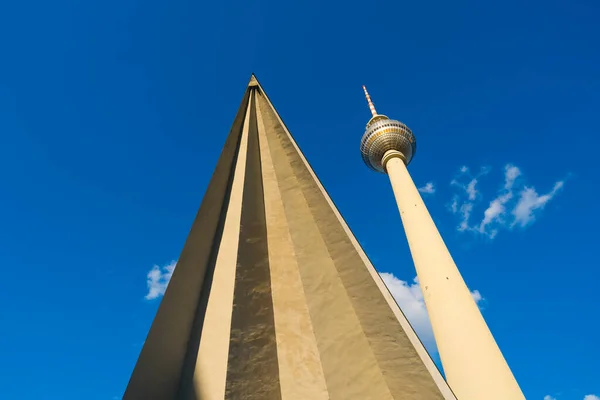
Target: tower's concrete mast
column 474, row 365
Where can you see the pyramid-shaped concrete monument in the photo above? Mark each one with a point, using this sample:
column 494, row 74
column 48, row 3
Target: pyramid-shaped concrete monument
column 272, row 296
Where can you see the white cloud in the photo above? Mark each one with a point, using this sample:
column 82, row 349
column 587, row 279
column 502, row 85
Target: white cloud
column 157, row 280
column 471, row 190
column 453, row 207
column 476, row 296
column 465, row 208
column 410, row 299
column 465, row 212
column 548, row 397
column 506, row 210
column 511, row 173
column 530, row 201
column 429, row 188
column 496, row 210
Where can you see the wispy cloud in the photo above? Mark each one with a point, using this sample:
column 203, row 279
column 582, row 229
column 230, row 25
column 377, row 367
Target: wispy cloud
column 470, row 188
column 157, row 280
column 515, row 204
column 530, row 201
column 465, row 211
column 548, row 397
column 409, row 297
column 453, row 207
column 464, row 208
column 428, row 188
column 497, row 207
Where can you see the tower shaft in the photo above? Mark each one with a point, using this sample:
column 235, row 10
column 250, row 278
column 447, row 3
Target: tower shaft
column 473, row 363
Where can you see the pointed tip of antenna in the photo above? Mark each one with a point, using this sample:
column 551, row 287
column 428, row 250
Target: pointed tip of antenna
column 371, row 105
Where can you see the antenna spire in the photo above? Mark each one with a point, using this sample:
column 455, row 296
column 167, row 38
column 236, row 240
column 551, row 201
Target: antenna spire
column 371, row 106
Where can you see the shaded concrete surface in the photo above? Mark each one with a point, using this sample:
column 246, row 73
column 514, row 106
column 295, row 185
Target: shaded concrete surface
column 282, row 304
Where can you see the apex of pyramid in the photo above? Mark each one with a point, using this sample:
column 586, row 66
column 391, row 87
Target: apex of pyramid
column 253, row 81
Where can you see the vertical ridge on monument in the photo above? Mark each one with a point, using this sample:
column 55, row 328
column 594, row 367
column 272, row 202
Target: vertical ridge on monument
column 473, row 363
column 272, row 296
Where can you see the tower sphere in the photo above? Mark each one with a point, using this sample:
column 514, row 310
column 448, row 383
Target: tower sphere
column 384, row 134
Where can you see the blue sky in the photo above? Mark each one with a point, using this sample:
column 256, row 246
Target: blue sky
column 113, row 114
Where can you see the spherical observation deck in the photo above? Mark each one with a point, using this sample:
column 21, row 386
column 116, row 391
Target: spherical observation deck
column 385, row 134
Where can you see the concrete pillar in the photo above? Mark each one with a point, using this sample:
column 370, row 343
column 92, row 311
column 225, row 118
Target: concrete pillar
column 474, row 366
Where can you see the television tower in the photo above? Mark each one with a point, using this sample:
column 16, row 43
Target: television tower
column 474, row 365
